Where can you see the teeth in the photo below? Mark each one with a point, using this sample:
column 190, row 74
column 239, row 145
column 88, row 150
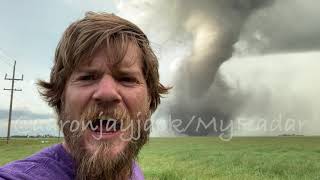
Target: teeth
column 104, row 117
column 108, row 123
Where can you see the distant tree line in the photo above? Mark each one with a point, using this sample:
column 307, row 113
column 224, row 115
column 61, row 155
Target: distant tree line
column 291, row 135
column 36, row 136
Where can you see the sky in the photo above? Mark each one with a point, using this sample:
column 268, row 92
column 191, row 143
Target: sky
column 269, row 67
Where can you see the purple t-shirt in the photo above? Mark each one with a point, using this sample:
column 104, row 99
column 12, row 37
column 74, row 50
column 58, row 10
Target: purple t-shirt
column 51, row 163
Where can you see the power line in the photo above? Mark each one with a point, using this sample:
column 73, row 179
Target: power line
column 9, row 59
column 6, row 59
column 13, row 79
column 5, row 62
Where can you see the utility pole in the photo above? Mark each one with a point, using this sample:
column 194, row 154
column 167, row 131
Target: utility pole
column 12, row 90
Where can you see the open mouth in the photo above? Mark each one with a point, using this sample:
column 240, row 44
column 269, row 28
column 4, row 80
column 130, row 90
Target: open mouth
column 105, row 125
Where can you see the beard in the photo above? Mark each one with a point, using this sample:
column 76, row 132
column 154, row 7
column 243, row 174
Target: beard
column 100, row 161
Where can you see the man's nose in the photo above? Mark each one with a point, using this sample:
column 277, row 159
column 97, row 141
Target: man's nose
column 107, row 91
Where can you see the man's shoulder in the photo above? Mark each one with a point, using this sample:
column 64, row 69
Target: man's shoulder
column 50, row 163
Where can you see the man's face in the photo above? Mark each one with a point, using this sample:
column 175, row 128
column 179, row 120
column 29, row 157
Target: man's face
column 115, row 92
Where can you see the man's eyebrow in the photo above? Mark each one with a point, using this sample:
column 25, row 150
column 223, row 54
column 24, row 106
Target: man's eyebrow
column 116, row 71
column 86, row 70
column 128, row 72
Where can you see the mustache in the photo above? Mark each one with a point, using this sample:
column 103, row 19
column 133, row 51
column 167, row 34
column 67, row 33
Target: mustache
column 95, row 116
column 90, row 118
column 95, row 112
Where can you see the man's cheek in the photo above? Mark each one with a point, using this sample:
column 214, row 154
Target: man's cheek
column 73, row 112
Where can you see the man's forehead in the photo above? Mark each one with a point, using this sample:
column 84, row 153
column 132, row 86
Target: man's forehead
column 103, row 56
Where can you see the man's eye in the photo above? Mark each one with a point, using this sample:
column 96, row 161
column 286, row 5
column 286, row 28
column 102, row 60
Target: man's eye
column 86, row 78
column 128, row 80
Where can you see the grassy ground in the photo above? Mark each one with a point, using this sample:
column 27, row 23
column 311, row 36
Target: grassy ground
column 210, row 158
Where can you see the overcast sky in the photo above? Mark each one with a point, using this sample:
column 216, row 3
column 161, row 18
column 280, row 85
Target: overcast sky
column 275, row 60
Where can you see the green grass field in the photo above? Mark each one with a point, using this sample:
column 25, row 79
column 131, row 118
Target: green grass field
column 210, row 158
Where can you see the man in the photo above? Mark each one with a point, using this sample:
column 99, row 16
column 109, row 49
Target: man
column 104, row 85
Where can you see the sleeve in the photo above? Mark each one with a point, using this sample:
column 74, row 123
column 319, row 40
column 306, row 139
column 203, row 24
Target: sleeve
column 8, row 174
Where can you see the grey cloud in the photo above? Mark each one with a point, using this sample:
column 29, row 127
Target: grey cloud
column 219, row 29
column 24, row 115
column 286, row 26
column 215, row 27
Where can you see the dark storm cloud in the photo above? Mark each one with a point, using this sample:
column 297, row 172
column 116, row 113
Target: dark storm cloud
column 211, row 31
column 286, row 26
column 214, row 26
